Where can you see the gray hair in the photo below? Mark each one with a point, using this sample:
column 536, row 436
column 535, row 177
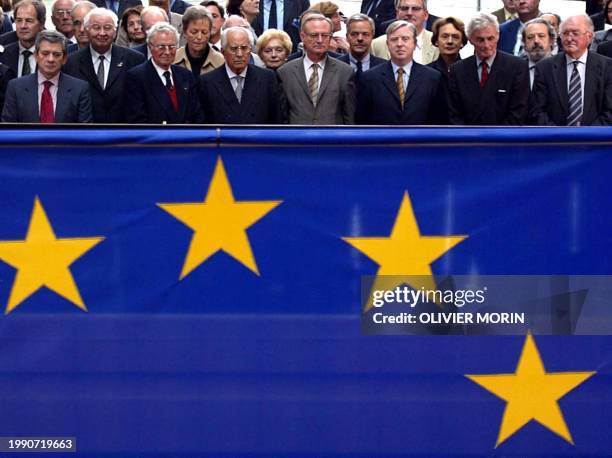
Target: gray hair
column 585, row 17
column 231, row 18
column 162, row 27
column 549, row 28
column 235, row 28
column 51, row 36
column 398, row 25
column 195, row 13
column 83, row 4
column 316, row 17
column 100, row 12
column 397, row 3
column 153, row 9
column 359, row 17
column 480, row 21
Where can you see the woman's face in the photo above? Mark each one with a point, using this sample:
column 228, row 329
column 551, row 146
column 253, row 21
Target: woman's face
column 336, row 21
column 134, row 28
column 274, row 53
column 250, row 7
column 197, row 34
column 609, row 12
column 449, row 40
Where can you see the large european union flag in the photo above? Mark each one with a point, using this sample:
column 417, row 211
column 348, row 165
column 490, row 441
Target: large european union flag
column 198, row 292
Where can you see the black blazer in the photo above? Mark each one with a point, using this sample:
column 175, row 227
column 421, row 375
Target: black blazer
column 503, row 100
column 6, row 74
column 378, row 100
column 179, row 6
column 10, row 57
column 549, row 104
column 260, row 103
column 291, row 14
column 108, row 102
column 147, row 100
column 605, row 49
column 8, row 38
column 123, row 5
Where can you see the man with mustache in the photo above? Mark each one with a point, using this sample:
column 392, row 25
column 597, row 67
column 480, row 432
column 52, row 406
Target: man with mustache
column 539, row 40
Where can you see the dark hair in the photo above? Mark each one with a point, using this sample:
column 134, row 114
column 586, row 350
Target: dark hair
column 134, row 10
column 39, row 7
column 52, row 36
column 456, row 23
column 215, row 4
column 233, row 7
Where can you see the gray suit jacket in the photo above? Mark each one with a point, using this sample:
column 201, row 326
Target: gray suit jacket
column 21, row 103
column 336, row 101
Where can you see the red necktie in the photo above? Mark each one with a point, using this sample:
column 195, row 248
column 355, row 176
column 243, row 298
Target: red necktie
column 46, row 104
column 484, row 76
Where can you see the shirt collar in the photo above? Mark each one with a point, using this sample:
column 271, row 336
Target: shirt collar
column 308, row 63
column 231, row 74
column 96, row 55
column 407, row 68
column 489, row 61
column 582, row 58
column 160, row 71
column 42, row 79
column 365, row 60
column 32, row 49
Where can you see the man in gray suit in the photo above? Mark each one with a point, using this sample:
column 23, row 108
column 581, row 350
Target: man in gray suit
column 48, row 95
column 317, row 89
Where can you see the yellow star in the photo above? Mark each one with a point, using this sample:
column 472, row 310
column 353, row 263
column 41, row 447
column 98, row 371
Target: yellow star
column 219, row 223
column 406, row 253
column 44, row 260
column 531, row 393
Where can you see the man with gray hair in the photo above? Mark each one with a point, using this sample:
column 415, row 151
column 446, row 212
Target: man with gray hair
column 61, row 16
column 48, row 95
column 359, row 34
column 573, row 88
column 490, row 87
column 104, row 66
column 79, row 11
column 158, row 92
column 539, row 38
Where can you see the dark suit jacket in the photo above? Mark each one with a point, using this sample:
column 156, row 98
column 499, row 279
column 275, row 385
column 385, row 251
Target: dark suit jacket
column 599, row 21
column 503, row 100
column 147, row 100
column 142, row 49
column 7, row 25
column 21, row 103
column 10, row 57
column 384, row 12
column 108, row 102
column 605, row 49
column 507, row 35
column 378, row 100
column 549, row 104
column 123, row 5
column 179, row 6
column 260, row 103
column 6, row 74
column 292, row 11
column 374, row 61
column 8, row 38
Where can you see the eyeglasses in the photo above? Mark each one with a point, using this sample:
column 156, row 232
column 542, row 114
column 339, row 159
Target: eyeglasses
column 234, row 49
column 314, row 36
column 415, row 9
column 62, row 12
column 572, row 33
column 164, row 47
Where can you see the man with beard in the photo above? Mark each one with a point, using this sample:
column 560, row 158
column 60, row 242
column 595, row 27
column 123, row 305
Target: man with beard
column 539, row 40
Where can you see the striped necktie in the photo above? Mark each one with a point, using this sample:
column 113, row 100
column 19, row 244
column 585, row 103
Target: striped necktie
column 574, row 96
column 313, row 84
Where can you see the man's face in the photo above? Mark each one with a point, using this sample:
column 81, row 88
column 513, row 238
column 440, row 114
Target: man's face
column 150, row 19
column 62, row 17
column 537, row 42
column 79, row 27
column 511, row 5
column 528, row 8
column 359, row 36
column 27, row 25
column 237, row 51
column 552, row 20
column 197, row 34
column 218, row 20
column 401, row 45
column 316, row 35
column 484, row 41
column 49, row 58
column 449, row 40
column 413, row 11
column 163, row 49
column 101, row 32
column 575, row 36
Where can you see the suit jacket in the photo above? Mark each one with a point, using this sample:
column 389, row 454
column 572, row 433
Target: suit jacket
column 374, row 61
column 142, row 49
column 179, row 6
column 599, row 21
column 500, row 15
column 260, row 102
column 147, row 99
column 336, row 99
column 502, row 101
column 7, row 24
column 291, row 13
column 507, row 35
column 378, row 100
column 429, row 52
column 10, row 57
column 605, row 49
column 549, row 103
column 21, row 103
column 108, row 102
column 381, row 14
column 123, row 5
column 8, row 38
column 6, row 74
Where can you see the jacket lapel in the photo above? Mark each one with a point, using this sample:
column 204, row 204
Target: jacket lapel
column 226, row 91
column 412, row 82
column 589, row 104
column 328, row 74
column 300, row 76
column 159, row 90
column 31, row 98
column 63, row 98
column 249, row 92
column 86, row 66
column 116, row 64
column 390, row 82
column 559, row 75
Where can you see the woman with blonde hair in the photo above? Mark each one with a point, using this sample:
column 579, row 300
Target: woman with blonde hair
column 273, row 47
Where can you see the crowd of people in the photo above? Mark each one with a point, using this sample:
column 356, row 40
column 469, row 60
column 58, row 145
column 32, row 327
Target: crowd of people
column 284, row 62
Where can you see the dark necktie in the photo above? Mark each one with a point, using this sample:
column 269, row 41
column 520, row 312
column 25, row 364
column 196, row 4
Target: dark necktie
column 359, row 70
column 484, row 75
column 46, row 104
column 574, row 97
column 101, row 72
column 168, row 80
column 26, row 69
column 272, row 19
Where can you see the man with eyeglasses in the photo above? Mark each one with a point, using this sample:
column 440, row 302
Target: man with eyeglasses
column 104, row 66
column 158, row 92
column 317, row 89
column 415, row 12
column 61, row 16
column 573, row 88
column 239, row 92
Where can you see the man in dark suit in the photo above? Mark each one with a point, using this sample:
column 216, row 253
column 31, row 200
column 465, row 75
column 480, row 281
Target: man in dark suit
column 62, row 98
column 29, row 21
column 490, row 87
column 317, row 89
column 573, row 88
column 103, row 65
column 510, row 31
column 291, row 12
column 605, row 49
column 117, row 6
column 158, row 92
column 239, row 92
column 401, row 92
column 359, row 34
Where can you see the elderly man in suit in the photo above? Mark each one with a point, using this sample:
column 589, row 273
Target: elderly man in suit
column 539, row 38
column 510, row 31
column 103, row 65
column 573, row 88
column 490, row 87
column 359, row 34
column 79, row 11
column 401, row 92
column 239, row 92
column 158, row 92
column 48, row 95
column 281, row 15
column 317, row 89
column 414, row 11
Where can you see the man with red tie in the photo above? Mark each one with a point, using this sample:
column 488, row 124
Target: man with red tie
column 48, row 95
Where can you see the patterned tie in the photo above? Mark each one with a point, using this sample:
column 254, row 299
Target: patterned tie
column 46, row 104
column 400, row 86
column 101, row 72
column 484, row 75
column 168, row 80
column 26, row 69
column 272, row 18
column 575, row 98
column 313, row 84
column 238, row 90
